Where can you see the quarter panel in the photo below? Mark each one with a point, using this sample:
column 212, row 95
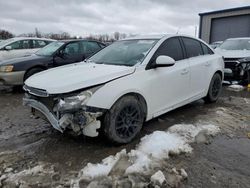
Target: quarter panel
column 216, row 64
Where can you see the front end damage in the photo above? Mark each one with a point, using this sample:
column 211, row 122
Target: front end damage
column 66, row 111
column 237, row 70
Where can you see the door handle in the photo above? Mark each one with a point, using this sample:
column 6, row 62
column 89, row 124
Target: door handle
column 184, row 71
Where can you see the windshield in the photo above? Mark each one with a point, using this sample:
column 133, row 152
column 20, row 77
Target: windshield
column 49, row 49
column 239, row 44
column 2, row 43
column 127, row 52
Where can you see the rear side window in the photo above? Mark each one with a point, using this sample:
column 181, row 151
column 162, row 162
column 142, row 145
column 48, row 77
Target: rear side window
column 206, row 50
column 193, row 47
column 91, row 47
column 39, row 43
column 172, row 48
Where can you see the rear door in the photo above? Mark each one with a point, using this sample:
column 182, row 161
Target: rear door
column 199, row 65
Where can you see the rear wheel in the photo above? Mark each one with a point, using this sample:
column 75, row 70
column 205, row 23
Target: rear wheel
column 214, row 90
column 124, row 120
column 32, row 72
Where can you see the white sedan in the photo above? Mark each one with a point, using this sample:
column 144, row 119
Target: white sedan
column 125, row 84
column 21, row 46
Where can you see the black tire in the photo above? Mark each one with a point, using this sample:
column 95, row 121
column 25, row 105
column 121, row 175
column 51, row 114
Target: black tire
column 123, row 122
column 215, row 89
column 32, row 72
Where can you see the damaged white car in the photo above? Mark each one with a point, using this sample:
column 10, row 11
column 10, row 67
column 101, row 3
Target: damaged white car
column 125, row 84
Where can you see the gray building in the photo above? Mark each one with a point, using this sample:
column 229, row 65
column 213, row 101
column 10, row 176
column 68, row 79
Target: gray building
column 223, row 24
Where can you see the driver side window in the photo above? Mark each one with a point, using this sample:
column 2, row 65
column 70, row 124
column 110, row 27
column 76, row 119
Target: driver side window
column 172, row 48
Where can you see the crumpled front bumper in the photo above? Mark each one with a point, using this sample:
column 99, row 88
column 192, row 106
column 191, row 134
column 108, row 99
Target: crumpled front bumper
column 44, row 110
column 89, row 128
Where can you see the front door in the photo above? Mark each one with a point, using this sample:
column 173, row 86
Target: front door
column 170, row 86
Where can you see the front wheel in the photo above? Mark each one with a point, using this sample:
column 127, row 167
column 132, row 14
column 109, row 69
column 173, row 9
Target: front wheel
column 215, row 89
column 124, row 120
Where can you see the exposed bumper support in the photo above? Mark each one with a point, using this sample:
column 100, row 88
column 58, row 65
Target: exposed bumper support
column 42, row 108
column 89, row 128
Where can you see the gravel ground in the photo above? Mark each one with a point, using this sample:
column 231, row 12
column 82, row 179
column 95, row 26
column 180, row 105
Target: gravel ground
column 33, row 154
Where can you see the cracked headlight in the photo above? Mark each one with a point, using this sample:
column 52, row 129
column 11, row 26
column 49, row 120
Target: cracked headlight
column 77, row 101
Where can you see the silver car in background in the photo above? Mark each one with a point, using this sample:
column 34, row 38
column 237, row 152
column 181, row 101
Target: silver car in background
column 21, row 46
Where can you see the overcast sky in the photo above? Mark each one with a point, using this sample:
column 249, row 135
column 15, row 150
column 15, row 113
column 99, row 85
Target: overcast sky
column 82, row 17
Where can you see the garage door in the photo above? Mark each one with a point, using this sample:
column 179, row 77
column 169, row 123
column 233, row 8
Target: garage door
column 228, row 27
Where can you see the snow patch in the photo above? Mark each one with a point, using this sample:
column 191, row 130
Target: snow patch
column 151, row 150
column 226, row 82
column 102, row 169
column 188, row 131
column 236, row 87
column 159, row 143
column 158, row 178
column 27, row 174
column 155, row 146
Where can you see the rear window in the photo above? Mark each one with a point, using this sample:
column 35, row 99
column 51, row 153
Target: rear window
column 39, row 43
column 90, row 47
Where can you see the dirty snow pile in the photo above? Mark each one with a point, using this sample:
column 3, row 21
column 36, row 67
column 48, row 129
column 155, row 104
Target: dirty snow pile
column 30, row 176
column 236, row 87
column 148, row 155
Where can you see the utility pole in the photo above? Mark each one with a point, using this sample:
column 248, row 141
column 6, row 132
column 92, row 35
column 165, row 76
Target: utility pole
column 195, row 31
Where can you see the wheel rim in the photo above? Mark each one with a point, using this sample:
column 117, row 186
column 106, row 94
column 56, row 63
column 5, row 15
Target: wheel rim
column 216, row 87
column 128, row 121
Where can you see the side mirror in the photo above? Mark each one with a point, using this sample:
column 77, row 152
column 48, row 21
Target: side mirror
column 8, row 48
column 164, row 61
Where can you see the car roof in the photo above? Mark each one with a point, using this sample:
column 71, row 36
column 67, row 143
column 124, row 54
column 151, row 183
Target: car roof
column 145, row 37
column 158, row 36
column 240, row 38
column 14, row 39
column 32, row 38
column 72, row 40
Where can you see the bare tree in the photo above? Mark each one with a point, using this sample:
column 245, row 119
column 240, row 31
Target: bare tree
column 4, row 34
column 116, row 35
column 37, row 33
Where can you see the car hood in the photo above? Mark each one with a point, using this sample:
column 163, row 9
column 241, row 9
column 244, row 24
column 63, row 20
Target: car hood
column 233, row 53
column 77, row 76
column 27, row 59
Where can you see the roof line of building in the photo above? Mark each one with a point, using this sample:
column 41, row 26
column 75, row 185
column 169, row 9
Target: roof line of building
column 225, row 10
